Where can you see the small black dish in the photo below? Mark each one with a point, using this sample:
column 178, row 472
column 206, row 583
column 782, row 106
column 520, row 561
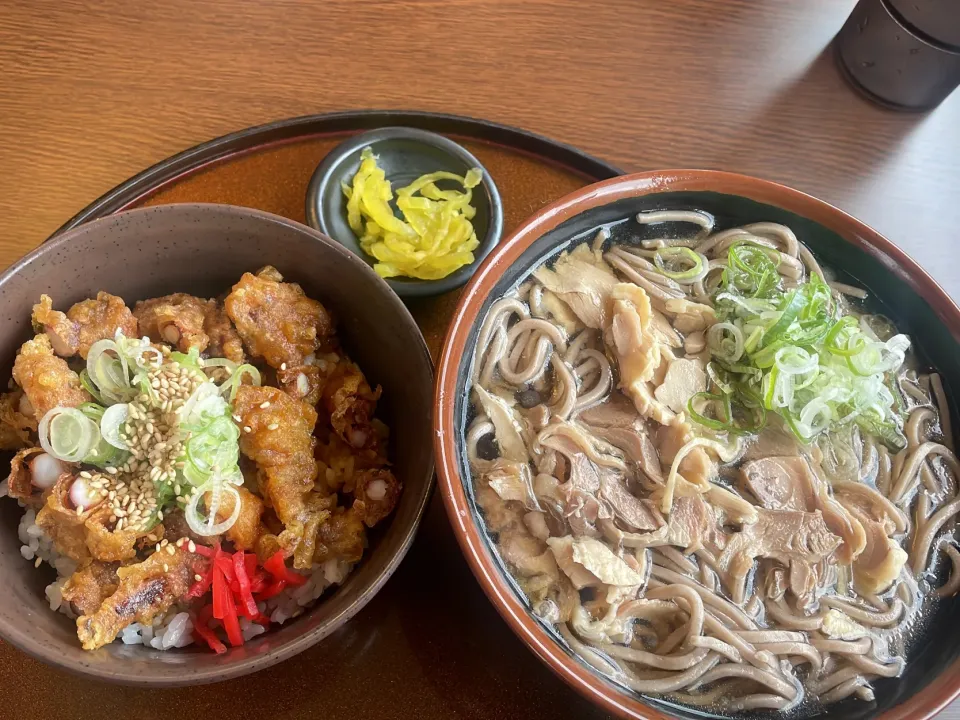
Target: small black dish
column 404, row 154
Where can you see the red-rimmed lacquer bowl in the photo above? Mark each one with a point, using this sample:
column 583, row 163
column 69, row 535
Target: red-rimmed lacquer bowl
column 853, row 250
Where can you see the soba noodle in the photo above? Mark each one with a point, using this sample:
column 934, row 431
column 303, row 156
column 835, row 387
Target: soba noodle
column 648, row 533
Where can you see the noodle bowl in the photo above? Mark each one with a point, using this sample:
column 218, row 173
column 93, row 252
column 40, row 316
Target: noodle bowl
column 713, row 469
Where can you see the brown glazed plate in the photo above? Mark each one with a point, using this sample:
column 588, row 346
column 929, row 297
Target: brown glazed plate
column 852, row 250
column 203, row 250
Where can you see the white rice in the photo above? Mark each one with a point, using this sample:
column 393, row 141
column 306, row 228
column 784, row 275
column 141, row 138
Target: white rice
column 174, row 629
column 294, row 601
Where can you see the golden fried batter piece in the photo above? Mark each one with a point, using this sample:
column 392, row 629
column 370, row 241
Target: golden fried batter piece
column 302, row 382
column 84, row 324
column 46, row 379
column 276, row 320
column 351, row 402
column 19, row 484
column 375, row 493
column 144, row 591
column 280, row 440
column 245, row 532
column 224, row 340
column 87, row 535
column 64, row 334
column 176, row 319
column 89, row 586
column 15, row 425
column 341, row 537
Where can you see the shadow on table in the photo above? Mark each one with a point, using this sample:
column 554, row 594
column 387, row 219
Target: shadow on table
column 782, row 130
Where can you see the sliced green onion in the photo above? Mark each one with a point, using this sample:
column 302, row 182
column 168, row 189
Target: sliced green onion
column 667, row 258
column 232, row 384
column 725, row 341
column 68, row 434
column 88, row 385
column 205, row 524
column 111, row 422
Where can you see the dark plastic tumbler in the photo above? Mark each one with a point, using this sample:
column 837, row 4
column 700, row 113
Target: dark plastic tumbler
column 903, row 54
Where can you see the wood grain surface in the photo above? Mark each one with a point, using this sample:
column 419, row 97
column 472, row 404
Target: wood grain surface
column 93, row 92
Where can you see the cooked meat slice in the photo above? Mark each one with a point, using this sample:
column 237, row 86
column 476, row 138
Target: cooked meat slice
column 697, row 467
column 224, row 340
column 584, row 475
column 245, row 532
column 177, row 319
column 882, row 559
column 684, row 379
column 281, row 442
column 639, row 448
column 511, row 481
column 788, row 483
column 778, row 483
column 638, row 353
column 582, row 281
column 351, row 402
column 46, row 379
column 632, row 511
column 32, row 471
column 276, row 320
column 89, row 586
column 782, row 535
column 64, row 334
column 16, row 421
column 693, row 524
column 590, row 563
column 375, row 495
column 615, row 412
column 498, row 514
column 526, row 554
column 145, row 590
column 342, row 536
column 773, row 441
column 689, row 316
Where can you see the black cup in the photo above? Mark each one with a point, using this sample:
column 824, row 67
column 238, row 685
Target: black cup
column 900, row 53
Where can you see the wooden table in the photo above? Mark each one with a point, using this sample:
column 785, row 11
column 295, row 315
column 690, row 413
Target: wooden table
column 91, row 93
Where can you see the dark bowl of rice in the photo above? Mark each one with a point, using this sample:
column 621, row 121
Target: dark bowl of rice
column 202, row 250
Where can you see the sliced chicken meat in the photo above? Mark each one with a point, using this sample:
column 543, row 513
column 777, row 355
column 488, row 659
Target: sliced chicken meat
column 583, row 282
column 637, row 351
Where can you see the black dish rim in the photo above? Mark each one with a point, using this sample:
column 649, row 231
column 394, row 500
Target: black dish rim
column 255, row 138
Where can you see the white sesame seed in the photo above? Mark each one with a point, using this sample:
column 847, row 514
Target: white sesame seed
column 85, row 475
column 198, row 578
column 166, row 568
column 36, row 563
column 265, row 404
column 247, row 428
column 283, row 366
column 192, row 546
column 272, row 426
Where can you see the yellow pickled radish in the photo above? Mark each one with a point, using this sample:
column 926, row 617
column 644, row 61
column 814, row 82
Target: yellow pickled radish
column 435, row 237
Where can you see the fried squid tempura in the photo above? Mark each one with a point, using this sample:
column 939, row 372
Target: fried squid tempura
column 276, row 320
column 280, row 440
column 46, row 379
column 84, row 324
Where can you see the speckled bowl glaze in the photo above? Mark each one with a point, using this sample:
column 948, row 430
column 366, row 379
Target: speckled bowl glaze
column 203, row 250
column 854, row 251
column 404, row 154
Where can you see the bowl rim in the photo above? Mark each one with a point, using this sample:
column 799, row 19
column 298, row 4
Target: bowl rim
column 319, row 186
column 941, row 691
column 20, row 636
